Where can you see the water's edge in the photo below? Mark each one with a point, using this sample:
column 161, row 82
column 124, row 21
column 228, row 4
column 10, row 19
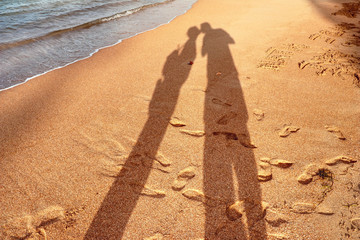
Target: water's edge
column 95, row 51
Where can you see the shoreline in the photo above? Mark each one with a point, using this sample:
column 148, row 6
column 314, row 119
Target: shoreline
column 95, row 51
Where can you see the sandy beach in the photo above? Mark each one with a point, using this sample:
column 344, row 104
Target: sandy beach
column 237, row 120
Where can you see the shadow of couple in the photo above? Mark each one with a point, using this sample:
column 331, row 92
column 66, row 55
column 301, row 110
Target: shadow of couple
column 229, row 168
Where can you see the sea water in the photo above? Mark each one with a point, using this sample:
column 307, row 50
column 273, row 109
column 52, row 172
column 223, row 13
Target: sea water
column 37, row 36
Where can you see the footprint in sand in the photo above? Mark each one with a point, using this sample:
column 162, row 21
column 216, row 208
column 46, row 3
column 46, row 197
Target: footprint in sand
column 160, row 162
column 199, row 196
column 239, row 208
column 195, row 195
column 336, row 31
column 243, row 138
column 314, row 36
column 259, row 114
column 147, row 191
column 277, row 57
column 236, row 210
column 310, row 171
column 336, row 131
column 221, row 102
column 246, row 141
column 18, row 228
column 47, row 215
column 194, row 133
column 264, row 173
column 274, row 218
column 226, row 118
column 115, row 171
column 28, row 226
column 277, row 162
column 160, row 158
column 303, row 208
column 328, row 34
column 105, row 146
column 182, row 178
column 156, row 163
column 176, row 122
column 339, row 159
column 330, row 40
column 324, row 210
column 287, row 130
column 335, row 63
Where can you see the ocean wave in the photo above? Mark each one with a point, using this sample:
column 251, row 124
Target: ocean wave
column 44, row 18
column 16, row 7
column 132, row 11
column 81, row 26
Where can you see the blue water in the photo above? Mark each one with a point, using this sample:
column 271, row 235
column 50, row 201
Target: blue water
column 37, row 36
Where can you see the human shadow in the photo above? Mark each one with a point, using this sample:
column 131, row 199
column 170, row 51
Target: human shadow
column 230, row 170
column 114, row 213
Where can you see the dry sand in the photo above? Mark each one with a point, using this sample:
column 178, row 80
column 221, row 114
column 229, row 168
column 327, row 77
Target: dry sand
column 238, row 120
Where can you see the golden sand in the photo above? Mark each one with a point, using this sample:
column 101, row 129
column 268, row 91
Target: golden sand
column 97, row 150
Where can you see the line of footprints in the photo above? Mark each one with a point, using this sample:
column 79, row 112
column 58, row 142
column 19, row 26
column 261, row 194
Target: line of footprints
column 265, row 168
column 265, row 172
column 28, row 226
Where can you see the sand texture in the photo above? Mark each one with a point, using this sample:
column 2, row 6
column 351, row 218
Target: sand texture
column 237, row 120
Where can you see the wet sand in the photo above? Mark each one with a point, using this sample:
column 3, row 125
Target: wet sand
column 238, row 120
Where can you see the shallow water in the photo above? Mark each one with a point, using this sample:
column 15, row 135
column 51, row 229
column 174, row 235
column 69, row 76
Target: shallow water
column 41, row 35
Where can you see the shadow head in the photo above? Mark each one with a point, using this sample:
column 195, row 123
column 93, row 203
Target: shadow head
column 193, row 32
column 205, row 27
